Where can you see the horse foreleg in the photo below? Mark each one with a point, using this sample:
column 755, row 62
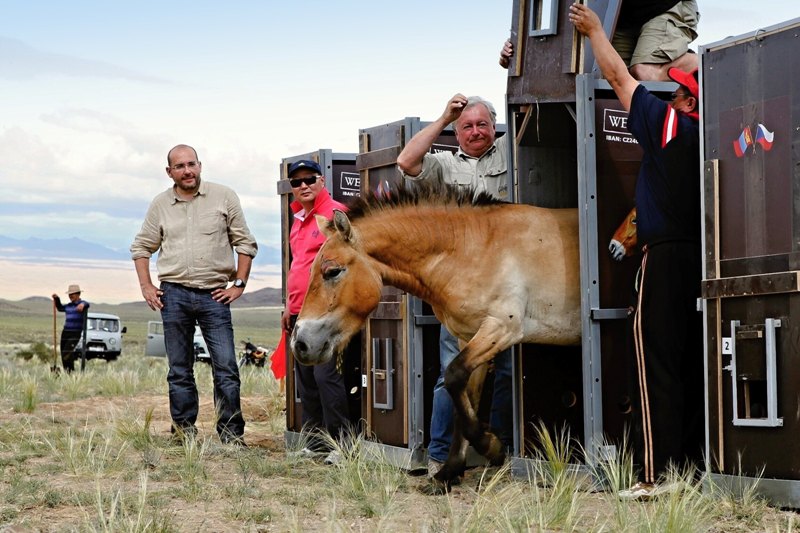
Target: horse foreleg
column 491, row 338
column 457, row 457
column 484, row 442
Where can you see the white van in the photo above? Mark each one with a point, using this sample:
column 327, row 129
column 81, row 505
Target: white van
column 155, row 346
column 104, row 333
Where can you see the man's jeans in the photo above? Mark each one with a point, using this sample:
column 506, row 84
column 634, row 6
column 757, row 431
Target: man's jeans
column 183, row 306
column 501, row 416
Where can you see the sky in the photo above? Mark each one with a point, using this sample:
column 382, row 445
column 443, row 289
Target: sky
column 96, row 93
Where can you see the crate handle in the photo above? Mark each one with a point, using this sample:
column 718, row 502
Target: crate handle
column 385, row 373
column 772, row 420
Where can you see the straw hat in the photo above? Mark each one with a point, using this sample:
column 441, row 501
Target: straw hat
column 73, row 289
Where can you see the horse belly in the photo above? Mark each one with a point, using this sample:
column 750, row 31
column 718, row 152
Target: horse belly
column 562, row 331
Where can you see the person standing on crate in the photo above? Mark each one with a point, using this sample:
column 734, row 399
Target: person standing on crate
column 75, row 313
column 321, row 387
column 667, row 328
column 481, row 164
column 651, row 37
column 196, row 226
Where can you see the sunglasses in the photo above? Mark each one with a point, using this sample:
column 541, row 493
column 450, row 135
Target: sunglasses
column 675, row 96
column 309, row 180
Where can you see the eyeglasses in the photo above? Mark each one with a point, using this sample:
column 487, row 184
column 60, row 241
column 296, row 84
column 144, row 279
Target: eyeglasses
column 191, row 165
column 675, row 95
column 308, row 180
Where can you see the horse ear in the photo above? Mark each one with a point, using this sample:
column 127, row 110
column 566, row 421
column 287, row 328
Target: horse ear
column 324, row 225
column 342, row 225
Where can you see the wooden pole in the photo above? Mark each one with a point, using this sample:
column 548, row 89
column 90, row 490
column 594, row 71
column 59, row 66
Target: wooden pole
column 55, row 350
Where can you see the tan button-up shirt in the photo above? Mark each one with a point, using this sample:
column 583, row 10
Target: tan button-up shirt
column 196, row 238
column 487, row 173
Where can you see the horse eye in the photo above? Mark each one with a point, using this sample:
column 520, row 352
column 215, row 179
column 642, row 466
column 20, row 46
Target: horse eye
column 633, row 221
column 332, row 273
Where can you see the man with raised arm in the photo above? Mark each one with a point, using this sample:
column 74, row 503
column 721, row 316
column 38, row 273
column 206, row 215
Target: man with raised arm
column 480, row 163
column 667, row 327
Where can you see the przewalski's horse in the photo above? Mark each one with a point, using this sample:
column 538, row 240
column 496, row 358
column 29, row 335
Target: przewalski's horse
column 496, row 274
column 625, row 240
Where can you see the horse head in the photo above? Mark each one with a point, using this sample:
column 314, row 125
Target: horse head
column 623, row 243
column 344, row 289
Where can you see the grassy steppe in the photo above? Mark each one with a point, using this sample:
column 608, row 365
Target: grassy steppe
column 31, row 320
column 92, row 451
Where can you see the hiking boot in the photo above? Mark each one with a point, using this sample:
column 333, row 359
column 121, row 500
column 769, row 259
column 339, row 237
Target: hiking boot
column 181, row 434
column 237, row 442
column 433, row 468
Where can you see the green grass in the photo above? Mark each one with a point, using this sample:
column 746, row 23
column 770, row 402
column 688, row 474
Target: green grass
column 92, row 451
column 31, row 321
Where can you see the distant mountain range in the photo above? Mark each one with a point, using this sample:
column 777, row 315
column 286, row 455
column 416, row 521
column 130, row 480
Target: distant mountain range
column 36, row 248
column 75, row 248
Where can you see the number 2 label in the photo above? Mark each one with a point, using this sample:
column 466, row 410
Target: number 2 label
column 727, row 346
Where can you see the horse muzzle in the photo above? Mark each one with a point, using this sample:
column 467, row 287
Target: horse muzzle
column 311, row 344
column 617, row 250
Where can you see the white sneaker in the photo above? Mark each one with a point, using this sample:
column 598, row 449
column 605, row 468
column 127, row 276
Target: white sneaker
column 305, row 453
column 639, row 492
column 333, row 458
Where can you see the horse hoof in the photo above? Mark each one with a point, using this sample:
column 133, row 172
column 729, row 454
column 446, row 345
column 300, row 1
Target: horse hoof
column 497, row 459
column 492, row 449
column 434, row 487
column 450, row 475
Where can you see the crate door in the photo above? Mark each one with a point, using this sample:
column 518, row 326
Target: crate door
column 752, row 269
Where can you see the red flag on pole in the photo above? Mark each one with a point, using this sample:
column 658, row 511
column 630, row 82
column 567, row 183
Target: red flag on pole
column 278, row 360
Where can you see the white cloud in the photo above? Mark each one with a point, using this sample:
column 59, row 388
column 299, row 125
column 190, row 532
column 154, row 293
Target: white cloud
column 20, row 61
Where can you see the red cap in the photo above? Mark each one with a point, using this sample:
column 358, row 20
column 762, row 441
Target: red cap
column 687, row 79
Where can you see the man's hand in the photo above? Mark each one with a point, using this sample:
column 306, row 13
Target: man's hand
column 454, row 108
column 152, row 295
column 80, row 308
column 506, row 53
column 227, row 296
column 584, row 19
column 285, row 321
column 611, row 65
column 410, row 159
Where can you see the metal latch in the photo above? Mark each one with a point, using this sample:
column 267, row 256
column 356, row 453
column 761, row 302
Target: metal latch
column 382, row 372
column 768, row 334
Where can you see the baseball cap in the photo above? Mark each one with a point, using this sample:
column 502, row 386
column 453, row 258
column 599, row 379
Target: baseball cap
column 304, row 163
column 687, row 79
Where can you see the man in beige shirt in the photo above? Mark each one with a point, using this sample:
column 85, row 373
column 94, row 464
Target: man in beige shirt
column 196, row 225
column 481, row 165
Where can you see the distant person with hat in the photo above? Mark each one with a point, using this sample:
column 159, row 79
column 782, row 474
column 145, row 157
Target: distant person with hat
column 667, row 329
column 197, row 227
column 321, row 387
column 75, row 313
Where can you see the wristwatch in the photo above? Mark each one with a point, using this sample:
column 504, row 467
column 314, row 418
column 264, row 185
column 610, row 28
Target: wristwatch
column 239, row 283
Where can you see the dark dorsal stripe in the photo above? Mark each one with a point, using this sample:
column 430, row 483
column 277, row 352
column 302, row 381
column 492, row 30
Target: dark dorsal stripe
column 422, row 193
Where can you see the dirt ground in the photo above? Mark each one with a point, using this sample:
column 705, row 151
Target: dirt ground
column 296, row 495
column 205, row 514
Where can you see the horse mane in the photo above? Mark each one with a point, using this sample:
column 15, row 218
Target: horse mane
column 433, row 193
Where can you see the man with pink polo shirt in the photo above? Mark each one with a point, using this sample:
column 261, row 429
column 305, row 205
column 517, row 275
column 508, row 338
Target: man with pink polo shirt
column 321, row 387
